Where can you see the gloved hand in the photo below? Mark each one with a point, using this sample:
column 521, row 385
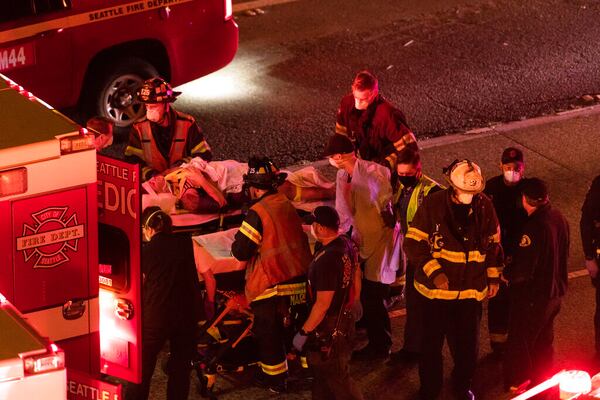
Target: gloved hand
column 209, row 309
column 592, row 267
column 299, row 341
column 493, row 289
column 441, row 281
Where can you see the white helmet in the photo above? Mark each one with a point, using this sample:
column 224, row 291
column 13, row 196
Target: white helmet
column 465, row 175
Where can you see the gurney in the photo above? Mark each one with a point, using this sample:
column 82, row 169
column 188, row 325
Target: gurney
column 225, row 342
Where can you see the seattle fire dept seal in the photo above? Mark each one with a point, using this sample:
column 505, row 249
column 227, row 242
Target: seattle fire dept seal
column 53, row 233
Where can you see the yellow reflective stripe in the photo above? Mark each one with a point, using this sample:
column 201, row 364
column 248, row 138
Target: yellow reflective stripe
column 341, row 129
column 134, row 151
column 451, row 294
column 303, row 362
column 274, row 369
column 495, row 238
column 298, row 196
column 201, row 147
column 431, row 266
column 416, row 234
column 89, row 17
column 249, row 231
column 498, row 337
column 493, row 272
column 404, row 140
column 391, row 159
column 282, row 290
column 291, row 289
column 458, row 256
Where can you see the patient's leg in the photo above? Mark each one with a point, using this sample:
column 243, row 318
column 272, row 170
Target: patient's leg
column 297, row 193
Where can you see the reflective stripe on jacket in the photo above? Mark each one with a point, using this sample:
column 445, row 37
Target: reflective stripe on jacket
column 470, row 256
column 283, row 254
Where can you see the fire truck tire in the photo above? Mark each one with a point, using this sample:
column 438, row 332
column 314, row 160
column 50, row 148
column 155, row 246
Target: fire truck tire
column 113, row 96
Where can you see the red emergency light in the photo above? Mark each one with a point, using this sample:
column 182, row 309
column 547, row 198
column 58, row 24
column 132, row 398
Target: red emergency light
column 13, row 181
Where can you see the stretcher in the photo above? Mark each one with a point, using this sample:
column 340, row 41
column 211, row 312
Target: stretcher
column 225, row 342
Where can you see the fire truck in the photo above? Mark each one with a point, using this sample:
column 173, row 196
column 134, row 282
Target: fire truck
column 52, row 209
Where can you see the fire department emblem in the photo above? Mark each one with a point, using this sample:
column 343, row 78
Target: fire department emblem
column 48, row 240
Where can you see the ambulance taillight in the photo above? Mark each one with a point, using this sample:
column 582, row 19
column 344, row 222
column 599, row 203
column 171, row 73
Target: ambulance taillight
column 54, row 359
column 13, row 181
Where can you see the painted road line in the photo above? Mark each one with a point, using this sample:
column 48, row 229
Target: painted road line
column 572, row 275
column 251, row 5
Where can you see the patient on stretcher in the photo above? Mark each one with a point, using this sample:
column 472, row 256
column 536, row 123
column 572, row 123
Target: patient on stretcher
column 210, row 187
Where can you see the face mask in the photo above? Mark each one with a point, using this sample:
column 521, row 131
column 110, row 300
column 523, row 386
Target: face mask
column 154, row 115
column 464, row 198
column 312, row 232
column 334, row 163
column 512, row 176
column 407, row 180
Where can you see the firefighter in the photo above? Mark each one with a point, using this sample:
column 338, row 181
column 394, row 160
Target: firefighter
column 537, row 280
column 271, row 239
column 334, row 284
column 165, row 138
column 171, row 303
column 505, row 193
column 376, row 127
column 411, row 188
column 364, row 203
column 454, row 244
column 590, row 239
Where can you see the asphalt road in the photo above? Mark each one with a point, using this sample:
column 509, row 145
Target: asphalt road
column 451, row 66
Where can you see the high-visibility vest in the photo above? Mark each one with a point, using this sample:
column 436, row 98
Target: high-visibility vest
column 420, row 191
column 283, row 254
column 150, row 152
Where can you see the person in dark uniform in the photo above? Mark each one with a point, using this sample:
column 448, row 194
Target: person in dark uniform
column 454, row 244
column 334, row 285
column 410, row 189
column 505, row 193
column 590, row 239
column 537, row 280
column 171, row 303
column 377, row 129
column 276, row 248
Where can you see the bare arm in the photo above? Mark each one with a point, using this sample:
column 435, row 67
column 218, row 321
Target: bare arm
column 319, row 310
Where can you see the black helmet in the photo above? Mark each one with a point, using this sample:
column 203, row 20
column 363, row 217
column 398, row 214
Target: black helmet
column 156, row 90
column 263, row 174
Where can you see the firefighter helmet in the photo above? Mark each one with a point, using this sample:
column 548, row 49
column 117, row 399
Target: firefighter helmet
column 465, row 175
column 156, row 90
column 263, row 174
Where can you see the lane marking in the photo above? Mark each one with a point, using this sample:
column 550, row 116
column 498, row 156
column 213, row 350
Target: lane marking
column 572, row 275
column 250, row 5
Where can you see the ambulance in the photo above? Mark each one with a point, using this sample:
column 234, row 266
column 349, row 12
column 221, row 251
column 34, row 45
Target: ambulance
column 49, row 268
column 28, row 361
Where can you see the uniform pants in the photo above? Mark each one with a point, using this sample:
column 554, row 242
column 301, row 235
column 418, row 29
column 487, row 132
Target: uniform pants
column 375, row 315
column 498, row 313
column 529, row 351
column 413, row 328
column 596, row 283
column 332, row 380
column 182, row 347
column 269, row 333
column 458, row 321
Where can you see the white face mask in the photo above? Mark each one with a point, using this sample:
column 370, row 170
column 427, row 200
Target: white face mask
column 512, row 176
column 312, row 232
column 464, row 198
column 154, row 115
column 334, row 163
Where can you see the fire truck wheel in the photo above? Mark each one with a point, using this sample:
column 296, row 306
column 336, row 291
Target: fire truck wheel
column 114, row 96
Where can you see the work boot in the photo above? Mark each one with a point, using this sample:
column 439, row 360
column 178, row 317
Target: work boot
column 403, row 356
column 274, row 384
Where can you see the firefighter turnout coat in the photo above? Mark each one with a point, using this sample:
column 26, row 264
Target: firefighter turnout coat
column 377, row 132
column 156, row 154
column 272, row 240
column 470, row 255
